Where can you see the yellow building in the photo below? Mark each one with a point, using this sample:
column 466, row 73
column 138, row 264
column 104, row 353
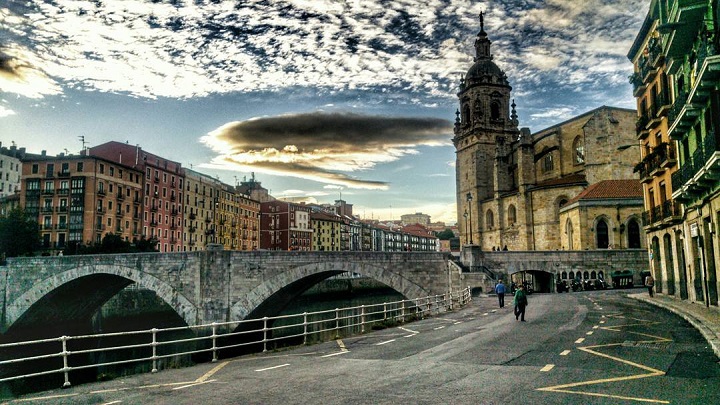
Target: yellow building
column 326, row 231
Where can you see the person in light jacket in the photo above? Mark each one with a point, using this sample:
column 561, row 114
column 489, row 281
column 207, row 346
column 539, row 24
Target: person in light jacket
column 500, row 291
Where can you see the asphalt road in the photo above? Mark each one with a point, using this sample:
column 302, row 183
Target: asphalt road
column 575, row 348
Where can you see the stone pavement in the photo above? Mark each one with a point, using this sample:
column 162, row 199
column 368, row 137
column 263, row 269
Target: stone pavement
column 704, row 319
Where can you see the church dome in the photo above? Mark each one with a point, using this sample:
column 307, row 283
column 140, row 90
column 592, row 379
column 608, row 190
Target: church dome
column 484, row 70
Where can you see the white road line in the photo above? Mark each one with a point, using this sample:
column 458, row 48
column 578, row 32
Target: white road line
column 408, row 330
column 113, row 402
column 439, row 327
column 494, row 310
column 485, row 313
column 580, row 340
column 407, row 336
column 602, row 321
column 193, row 384
column 565, row 352
column 589, row 333
column 595, row 327
column 547, row 367
column 458, row 322
column 273, row 367
column 382, row 343
column 336, row 353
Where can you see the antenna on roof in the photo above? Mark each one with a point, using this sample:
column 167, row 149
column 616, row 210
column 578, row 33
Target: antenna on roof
column 82, row 139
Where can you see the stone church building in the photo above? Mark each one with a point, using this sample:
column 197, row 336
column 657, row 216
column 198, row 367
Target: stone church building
column 568, row 187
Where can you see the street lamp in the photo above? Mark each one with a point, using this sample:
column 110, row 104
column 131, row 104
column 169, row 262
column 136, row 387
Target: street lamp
column 469, row 200
column 465, row 215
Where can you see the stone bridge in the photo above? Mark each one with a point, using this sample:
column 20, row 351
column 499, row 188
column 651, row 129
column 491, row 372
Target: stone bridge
column 202, row 287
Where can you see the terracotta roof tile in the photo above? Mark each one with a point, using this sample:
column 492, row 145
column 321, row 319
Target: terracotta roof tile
column 608, row 189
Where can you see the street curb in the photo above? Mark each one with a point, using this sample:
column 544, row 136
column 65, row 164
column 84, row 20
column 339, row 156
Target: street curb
column 712, row 338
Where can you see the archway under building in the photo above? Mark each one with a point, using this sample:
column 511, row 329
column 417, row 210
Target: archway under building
column 539, row 280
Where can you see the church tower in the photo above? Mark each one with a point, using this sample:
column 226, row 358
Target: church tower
column 485, row 126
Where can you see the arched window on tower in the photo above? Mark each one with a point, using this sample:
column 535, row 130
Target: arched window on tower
column 633, row 234
column 548, row 164
column 494, row 110
column 512, row 214
column 579, row 149
column 466, row 115
column 489, row 219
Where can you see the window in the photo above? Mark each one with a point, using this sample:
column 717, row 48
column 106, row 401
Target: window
column 601, row 234
column 112, row 171
column 102, row 168
column 548, row 165
column 512, row 215
column 79, row 167
column 579, row 151
column 489, row 219
column 494, row 110
column 35, row 168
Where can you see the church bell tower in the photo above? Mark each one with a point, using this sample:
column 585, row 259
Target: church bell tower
column 485, row 126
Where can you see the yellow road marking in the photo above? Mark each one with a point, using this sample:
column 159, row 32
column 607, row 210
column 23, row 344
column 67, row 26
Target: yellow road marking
column 342, row 345
column 211, row 372
column 595, row 327
column 547, row 367
column 589, row 333
column 113, row 402
column 565, row 352
column 193, row 384
column 580, row 340
column 652, row 372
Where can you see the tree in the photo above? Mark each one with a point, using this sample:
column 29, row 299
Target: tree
column 19, row 234
column 447, row 234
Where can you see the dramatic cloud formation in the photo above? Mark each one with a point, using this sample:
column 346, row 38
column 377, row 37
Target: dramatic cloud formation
column 323, row 146
column 389, row 50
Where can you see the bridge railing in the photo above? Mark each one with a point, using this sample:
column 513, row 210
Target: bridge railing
column 65, row 356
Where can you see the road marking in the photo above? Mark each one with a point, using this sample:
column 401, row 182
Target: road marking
column 580, row 340
column 411, row 335
column 458, row 322
column 382, row 343
column 602, row 321
column 273, row 367
column 211, row 372
column 336, row 353
column 595, row 327
column 565, row 352
column 439, row 327
column 589, row 333
column 485, row 314
column 408, row 330
column 113, row 402
column 547, row 367
column 193, row 385
column 342, row 345
column 494, row 310
column 651, row 372
column 110, row 390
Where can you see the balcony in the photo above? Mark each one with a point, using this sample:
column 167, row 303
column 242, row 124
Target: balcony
column 49, row 191
column 174, row 213
column 62, row 226
column 671, row 212
column 120, row 196
column 118, row 213
column 101, row 192
column 47, row 209
column 192, row 216
column 641, row 126
column 64, row 173
column 700, row 174
column 192, row 229
column 638, row 85
column 153, row 208
column 62, row 208
column 156, row 179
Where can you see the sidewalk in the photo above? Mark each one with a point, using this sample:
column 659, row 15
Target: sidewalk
column 704, row 319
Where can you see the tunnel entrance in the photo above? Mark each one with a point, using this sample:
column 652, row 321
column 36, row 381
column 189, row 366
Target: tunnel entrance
column 536, row 281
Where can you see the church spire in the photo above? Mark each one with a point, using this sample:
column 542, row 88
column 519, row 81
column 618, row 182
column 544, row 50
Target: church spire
column 482, row 43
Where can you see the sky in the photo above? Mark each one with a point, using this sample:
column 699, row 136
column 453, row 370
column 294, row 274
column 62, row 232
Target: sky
column 324, row 99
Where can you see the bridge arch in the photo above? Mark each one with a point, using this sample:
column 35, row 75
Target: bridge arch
column 275, row 293
column 85, row 288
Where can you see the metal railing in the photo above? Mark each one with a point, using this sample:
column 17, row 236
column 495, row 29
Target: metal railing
column 210, row 339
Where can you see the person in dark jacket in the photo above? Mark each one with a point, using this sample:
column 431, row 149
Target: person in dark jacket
column 500, row 291
column 520, row 302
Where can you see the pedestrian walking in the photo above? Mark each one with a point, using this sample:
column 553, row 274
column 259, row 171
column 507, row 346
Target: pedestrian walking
column 500, row 291
column 520, row 302
column 650, row 284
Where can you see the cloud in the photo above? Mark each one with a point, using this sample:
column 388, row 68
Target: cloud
column 323, row 147
column 20, row 74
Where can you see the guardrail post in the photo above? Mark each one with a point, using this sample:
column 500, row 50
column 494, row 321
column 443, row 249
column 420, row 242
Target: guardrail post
column 362, row 318
column 437, row 304
column 265, row 329
column 337, row 323
column 65, row 353
column 305, row 328
column 214, row 342
column 402, row 311
column 154, row 350
column 384, row 311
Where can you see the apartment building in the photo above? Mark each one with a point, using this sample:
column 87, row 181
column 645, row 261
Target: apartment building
column 10, row 169
column 285, row 226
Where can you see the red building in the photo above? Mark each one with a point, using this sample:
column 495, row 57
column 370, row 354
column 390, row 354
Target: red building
column 285, row 226
column 162, row 191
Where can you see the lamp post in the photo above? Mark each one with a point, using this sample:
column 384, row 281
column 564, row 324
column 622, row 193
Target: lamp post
column 465, row 215
column 469, row 200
